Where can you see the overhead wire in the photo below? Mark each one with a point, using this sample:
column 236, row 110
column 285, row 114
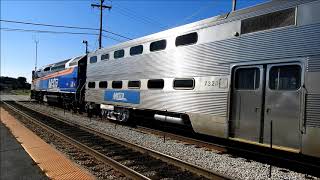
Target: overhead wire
column 133, row 15
column 194, row 14
column 57, row 32
column 63, row 26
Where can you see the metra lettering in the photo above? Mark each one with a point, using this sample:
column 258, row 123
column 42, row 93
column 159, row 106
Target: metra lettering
column 53, row 83
column 118, row 96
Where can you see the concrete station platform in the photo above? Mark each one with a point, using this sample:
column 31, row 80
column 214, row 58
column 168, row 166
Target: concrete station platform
column 24, row 155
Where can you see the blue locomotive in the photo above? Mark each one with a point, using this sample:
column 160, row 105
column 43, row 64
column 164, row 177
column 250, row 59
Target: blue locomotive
column 60, row 83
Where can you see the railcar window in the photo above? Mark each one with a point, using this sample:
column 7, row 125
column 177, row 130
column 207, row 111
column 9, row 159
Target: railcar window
column 104, row 57
column 285, row 77
column 187, row 39
column 269, row 21
column 158, row 45
column 136, row 50
column 134, row 84
column 117, row 84
column 103, row 84
column 183, row 83
column 118, row 54
column 247, row 79
column 91, row 84
column 93, row 59
column 155, row 84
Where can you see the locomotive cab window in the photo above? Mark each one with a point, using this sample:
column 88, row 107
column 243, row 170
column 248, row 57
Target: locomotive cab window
column 104, row 57
column 247, row 79
column 155, row 84
column 91, row 84
column 116, row 84
column 136, row 50
column 158, row 45
column 103, row 84
column 93, row 59
column 183, row 83
column 134, row 84
column 285, row 77
column 118, row 54
column 47, row 69
column 187, row 39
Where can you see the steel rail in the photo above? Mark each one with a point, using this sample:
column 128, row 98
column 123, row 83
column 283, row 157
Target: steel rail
column 166, row 158
column 116, row 165
column 173, row 136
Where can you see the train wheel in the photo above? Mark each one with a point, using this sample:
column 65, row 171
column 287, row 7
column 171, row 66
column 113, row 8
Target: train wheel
column 123, row 114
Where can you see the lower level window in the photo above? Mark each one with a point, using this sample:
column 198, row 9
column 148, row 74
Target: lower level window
column 116, row 84
column 183, row 83
column 91, row 84
column 155, row 84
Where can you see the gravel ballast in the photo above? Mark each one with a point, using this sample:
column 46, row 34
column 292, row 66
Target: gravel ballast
column 238, row 168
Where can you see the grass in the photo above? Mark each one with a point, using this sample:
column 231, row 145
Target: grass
column 21, row 92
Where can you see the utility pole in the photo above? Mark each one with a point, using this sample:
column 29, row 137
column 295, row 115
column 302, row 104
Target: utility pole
column 101, row 6
column 234, row 5
column 86, row 42
column 35, row 65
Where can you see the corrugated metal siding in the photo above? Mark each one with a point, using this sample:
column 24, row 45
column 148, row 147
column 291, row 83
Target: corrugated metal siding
column 213, row 103
column 210, row 59
column 313, row 64
column 313, row 110
column 213, row 58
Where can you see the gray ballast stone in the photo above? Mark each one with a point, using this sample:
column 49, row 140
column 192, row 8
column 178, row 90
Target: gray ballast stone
column 236, row 167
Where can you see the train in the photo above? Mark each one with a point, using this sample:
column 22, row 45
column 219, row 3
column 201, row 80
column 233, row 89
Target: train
column 251, row 75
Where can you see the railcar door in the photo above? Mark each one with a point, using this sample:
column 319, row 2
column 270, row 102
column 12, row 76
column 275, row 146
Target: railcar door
column 247, row 102
column 283, row 104
column 262, row 94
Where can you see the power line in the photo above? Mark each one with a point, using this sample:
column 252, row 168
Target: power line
column 57, row 32
column 201, row 9
column 131, row 14
column 145, row 18
column 62, row 26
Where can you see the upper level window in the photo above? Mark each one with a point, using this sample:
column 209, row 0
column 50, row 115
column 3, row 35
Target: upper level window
column 134, row 84
column 104, row 57
column 91, row 84
column 117, row 84
column 118, row 54
column 136, row 50
column 285, row 77
column 247, row 78
column 158, row 45
column 269, row 21
column 187, row 39
column 155, row 84
column 103, row 84
column 93, row 59
column 183, row 84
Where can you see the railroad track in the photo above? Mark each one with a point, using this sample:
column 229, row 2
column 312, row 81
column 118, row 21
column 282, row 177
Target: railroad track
column 132, row 160
column 292, row 161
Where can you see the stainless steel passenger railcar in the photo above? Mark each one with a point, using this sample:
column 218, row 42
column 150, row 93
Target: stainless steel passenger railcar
column 229, row 76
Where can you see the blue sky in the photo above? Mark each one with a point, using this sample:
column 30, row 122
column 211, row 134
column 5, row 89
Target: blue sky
column 132, row 19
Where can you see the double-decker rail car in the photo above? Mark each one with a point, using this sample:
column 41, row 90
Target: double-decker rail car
column 231, row 76
column 61, row 82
